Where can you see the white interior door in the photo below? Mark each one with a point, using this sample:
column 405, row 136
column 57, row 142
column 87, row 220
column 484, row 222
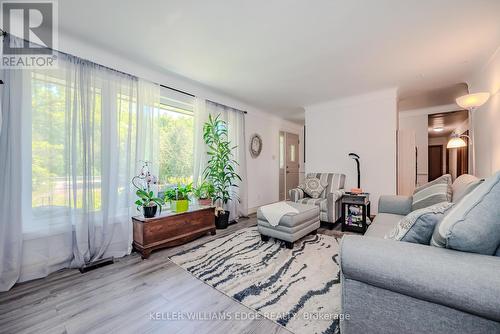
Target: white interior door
column 282, row 191
column 292, row 162
column 289, row 161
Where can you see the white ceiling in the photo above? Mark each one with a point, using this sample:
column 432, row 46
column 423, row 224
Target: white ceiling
column 283, row 55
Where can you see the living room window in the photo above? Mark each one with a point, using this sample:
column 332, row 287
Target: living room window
column 176, row 132
column 52, row 146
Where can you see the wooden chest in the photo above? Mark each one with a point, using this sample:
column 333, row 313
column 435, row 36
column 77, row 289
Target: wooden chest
column 171, row 229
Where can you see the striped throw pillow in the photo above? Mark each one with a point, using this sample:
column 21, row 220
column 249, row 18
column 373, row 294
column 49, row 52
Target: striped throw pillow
column 432, row 193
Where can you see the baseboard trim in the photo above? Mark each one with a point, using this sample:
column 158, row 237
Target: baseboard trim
column 254, row 209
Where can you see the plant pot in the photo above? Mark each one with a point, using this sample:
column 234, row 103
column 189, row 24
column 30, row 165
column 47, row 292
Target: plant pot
column 222, row 220
column 205, row 202
column 179, row 205
column 149, row 211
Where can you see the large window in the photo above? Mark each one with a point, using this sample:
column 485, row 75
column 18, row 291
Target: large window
column 176, row 138
column 58, row 141
column 53, row 148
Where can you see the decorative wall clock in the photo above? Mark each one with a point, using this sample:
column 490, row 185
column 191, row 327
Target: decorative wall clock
column 255, row 145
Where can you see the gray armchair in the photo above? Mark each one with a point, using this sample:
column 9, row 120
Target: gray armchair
column 329, row 201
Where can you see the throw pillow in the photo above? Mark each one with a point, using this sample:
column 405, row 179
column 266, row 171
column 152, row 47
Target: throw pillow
column 417, row 226
column 473, row 225
column 312, row 187
column 432, row 193
column 463, row 185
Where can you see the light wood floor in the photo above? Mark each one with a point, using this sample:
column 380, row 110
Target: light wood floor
column 121, row 297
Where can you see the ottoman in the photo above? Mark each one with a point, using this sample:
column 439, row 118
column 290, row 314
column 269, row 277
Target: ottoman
column 292, row 226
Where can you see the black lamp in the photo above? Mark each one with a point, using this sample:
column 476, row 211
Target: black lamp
column 356, row 158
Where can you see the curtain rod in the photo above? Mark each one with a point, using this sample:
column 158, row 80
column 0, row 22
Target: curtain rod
column 177, row 90
column 243, row 111
column 4, row 33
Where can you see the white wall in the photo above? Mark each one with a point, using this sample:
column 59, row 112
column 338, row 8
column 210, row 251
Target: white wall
column 418, row 124
column 364, row 124
column 263, row 172
column 486, row 120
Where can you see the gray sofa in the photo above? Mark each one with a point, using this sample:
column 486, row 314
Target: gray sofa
column 399, row 287
column 329, row 201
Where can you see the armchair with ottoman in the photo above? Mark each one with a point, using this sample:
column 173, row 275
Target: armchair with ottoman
column 328, row 201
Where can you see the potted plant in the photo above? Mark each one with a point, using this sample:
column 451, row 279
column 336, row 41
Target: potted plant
column 220, row 170
column 204, row 193
column 178, row 197
column 143, row 182
column 148, row 202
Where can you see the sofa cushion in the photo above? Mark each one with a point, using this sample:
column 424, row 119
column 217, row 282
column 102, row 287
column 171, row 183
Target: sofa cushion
column 417, row 226
column 473, row 224
column 463, row 185
column 396, row 204
column 382, row 224
column 313, row 187
column 432, row 193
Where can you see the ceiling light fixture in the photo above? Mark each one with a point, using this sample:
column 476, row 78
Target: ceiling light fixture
column 438, row 129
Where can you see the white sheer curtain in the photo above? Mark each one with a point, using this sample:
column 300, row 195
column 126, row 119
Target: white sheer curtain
column 70, row 142
column 235, row 120
column 200, row 157
column 14, row 135
column 148, row 132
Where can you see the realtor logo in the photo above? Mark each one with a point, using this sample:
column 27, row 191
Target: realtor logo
column 32, row 34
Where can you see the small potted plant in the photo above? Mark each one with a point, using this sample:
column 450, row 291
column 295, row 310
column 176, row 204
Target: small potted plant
column 178, row 197
column 148, row 202
column 204, row 193
column 220, row 170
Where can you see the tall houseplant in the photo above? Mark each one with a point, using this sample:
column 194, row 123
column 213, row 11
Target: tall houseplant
column 220, row 170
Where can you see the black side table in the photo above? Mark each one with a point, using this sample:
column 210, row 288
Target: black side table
column 355, row 210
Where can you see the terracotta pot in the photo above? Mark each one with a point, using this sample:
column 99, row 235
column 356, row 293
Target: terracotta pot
column 205, row 202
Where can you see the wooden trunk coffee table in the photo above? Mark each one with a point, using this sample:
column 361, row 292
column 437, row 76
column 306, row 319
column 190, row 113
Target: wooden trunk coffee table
column 172, row 229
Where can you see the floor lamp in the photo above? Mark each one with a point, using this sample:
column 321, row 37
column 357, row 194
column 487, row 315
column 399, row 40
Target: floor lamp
column 469, row 102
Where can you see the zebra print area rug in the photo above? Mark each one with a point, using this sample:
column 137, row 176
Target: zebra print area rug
column 297, row 288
